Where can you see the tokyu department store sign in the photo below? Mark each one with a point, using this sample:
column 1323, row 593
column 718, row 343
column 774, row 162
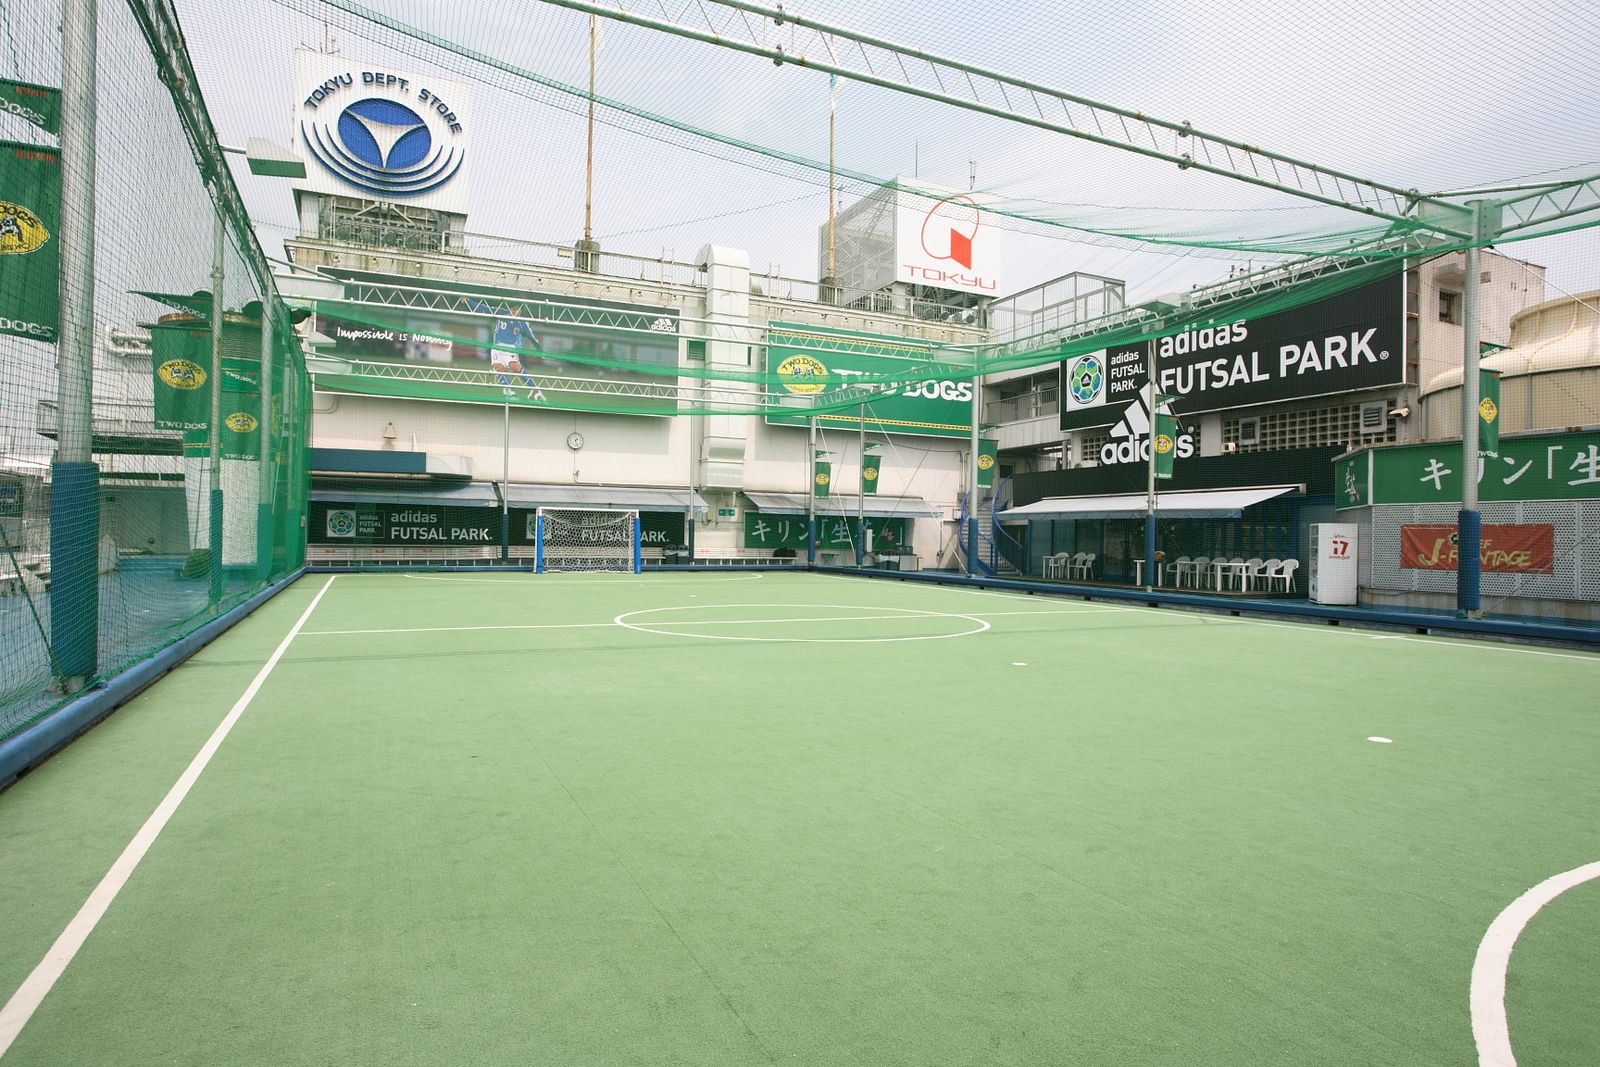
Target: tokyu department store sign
column 1563, row 466
column 1346, row 342
column 809, row 363
column 381, row 133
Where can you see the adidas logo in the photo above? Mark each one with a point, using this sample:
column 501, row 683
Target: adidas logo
column 1130, row 437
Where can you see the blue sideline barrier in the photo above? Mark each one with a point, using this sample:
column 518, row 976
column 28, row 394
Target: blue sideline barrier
column 34, row 744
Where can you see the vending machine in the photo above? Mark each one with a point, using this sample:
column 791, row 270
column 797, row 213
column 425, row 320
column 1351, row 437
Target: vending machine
column 1331, row 576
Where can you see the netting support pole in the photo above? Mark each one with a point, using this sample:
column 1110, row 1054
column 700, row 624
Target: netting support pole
column 219, row 242
column 538, row 543
column 1150, row 575
column 75, row 480
column 638, row 543
column 264, row 494
column 1469, row 527
column 972, row 477
column 811, row 495
column 861, row 494
column 505, row 488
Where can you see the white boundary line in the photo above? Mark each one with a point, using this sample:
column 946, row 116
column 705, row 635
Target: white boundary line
column 542, row 579
column 26, row 1000
column 1488, row 996
column 709, row 622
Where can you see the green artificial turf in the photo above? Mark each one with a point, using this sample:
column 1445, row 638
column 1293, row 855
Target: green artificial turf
column 783, row 818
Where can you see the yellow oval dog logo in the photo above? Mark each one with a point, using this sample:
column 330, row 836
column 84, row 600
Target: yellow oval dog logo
column 21, row 231
column 802, row 375
column 241, row 422
column 182, row 374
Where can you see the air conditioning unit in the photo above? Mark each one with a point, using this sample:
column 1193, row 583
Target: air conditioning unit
column 1375, row 416
column 1250, row 430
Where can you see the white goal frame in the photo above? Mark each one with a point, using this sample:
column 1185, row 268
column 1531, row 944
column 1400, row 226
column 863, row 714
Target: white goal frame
column 587, row 540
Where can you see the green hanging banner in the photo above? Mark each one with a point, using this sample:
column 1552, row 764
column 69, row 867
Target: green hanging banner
column 1489, row 413
column 38, row 104
column 240, row 437
column 870, row 467
column 988, row 454
column 822, row 479
column 1165, row 443
column 181, row 369
column 30, row 255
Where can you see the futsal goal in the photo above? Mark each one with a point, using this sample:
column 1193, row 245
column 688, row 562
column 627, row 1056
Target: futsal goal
column 586, row 539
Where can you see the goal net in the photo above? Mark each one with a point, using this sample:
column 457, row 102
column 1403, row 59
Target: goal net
column 583, row 539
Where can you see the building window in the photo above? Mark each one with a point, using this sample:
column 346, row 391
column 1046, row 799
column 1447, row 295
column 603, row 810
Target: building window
column 1310, row 427
column 1449, row 307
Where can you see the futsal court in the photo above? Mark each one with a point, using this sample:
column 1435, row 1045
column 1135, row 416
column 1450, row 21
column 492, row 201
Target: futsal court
column 745, row 818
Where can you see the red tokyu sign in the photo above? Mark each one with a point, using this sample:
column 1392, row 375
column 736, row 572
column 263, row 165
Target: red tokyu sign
column 1529, row 549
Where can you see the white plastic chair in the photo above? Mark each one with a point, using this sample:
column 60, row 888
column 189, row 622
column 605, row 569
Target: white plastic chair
column 1179, row 569
column 1268, row 569
column 1200, row 571
column 1084, row 567
column 1056, row 566
column 1235, row 573
column 1286, row 574
column 1252, row 572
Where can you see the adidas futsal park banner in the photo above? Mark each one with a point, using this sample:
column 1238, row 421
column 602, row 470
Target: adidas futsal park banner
column 1354, row 340
column 30, row 251
column 810, row 363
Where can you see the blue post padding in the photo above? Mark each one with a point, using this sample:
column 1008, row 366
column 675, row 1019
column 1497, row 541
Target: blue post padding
column 75, row 568
column 1469, row 561
column 264, row 518
column 505, row 534
column 538, row 545
column 1150, row 551
column 638, row 544
column 811, row 540
column 219, row 577
column 861, row 543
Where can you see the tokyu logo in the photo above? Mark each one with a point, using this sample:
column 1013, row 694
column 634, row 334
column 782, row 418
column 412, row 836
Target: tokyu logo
column 21, row 231
column 241, row 422
column 802, row 375
column 182, row 374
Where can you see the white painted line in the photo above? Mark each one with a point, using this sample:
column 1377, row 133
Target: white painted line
column 543, row 579
column 1382, row 740
column 1488, row 996
column 1019, row 664
column 26, row 1000
column 712, row 622
column 662, row 628
column 460, row 629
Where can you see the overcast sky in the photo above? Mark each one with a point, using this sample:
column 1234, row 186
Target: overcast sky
column 1428, row 96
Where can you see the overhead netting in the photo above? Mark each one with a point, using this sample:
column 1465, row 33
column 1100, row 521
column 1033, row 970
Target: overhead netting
column 113, row 551
column 712, row 128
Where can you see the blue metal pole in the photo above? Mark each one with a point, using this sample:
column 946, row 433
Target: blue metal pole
column 638, row 544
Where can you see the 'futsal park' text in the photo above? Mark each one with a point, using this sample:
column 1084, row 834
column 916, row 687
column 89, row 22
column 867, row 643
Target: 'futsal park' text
column 1337, row 352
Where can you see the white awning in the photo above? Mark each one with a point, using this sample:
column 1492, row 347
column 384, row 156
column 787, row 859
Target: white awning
column 877, row 507
column 478, row 494
column 1187, row 504
column 605, row 496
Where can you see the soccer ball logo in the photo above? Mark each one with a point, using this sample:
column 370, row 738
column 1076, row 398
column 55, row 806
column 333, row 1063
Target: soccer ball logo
column 341, row 523
column 1085, row 379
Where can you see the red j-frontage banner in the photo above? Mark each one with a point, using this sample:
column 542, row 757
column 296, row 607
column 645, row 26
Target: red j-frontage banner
column 1527, row 549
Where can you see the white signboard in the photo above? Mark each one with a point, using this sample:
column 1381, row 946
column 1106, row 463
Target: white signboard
column 372, row 131
column 946, row 242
